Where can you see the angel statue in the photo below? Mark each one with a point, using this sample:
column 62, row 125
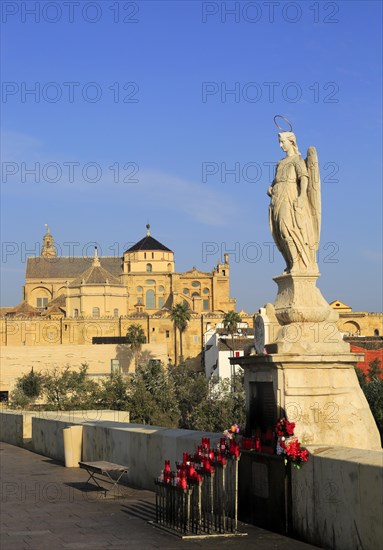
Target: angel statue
column 295, row 206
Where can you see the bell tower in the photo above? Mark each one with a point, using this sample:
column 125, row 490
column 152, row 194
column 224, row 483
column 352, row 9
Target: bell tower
column 48, row 244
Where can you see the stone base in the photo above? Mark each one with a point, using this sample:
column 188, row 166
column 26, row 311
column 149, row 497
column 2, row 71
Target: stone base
column 309, row 338
column 300, row 301
column 307, row 322
column 321, row 394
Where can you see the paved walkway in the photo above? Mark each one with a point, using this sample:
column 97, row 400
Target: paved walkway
column 44, row 506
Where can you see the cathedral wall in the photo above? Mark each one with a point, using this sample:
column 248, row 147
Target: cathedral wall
column 361, row 323
column 18, row 360
column 158, row 329
column 53, row 287
column 106, row 299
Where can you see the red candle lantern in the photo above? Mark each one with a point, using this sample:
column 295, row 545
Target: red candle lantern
column 206, row 465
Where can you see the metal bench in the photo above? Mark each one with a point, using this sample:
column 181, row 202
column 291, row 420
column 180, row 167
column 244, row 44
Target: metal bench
column 105, row 469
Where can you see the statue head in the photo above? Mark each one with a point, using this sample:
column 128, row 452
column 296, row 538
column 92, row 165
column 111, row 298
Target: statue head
column 288, row 140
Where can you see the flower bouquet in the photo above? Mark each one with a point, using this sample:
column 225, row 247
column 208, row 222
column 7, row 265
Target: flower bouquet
column 289, row 445
column 232, row 432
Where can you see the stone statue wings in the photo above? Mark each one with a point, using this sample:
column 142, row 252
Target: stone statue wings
column 313, row 192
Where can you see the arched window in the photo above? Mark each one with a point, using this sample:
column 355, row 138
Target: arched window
column 149, row 268
column 115, row 312
column 95, row 312
column 139, row 289
column 195, row 294
column 186, row 291
column 169, row 267
column 75, row 313
column 150, row 299
column 161, row 288
column 206, row 290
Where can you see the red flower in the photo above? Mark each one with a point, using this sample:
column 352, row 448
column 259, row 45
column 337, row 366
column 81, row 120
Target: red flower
column 304, row 455
column 284, row 428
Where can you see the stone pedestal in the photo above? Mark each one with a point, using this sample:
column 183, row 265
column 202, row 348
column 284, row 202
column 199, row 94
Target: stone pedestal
column 299, row 300
column 308, row 374
column 320, row 393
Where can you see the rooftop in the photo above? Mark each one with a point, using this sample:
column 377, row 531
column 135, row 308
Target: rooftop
column 62, row 267
column 148, row 243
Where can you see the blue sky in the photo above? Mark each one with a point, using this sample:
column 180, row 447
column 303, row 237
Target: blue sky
column 132, row 121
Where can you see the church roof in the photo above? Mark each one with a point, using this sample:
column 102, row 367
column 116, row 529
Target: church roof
column 59, row 301
column 337, row 304
column 96, row 275
column 24, row 309
column 68, row 267
column 148, row 243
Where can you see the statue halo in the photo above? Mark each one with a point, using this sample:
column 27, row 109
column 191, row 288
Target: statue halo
column 286, row 120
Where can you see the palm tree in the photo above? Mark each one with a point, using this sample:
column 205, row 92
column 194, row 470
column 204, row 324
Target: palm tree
column 135, row 336
column 230, row 323
column 180, row 314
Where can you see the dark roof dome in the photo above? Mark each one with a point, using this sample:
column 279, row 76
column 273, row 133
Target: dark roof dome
column 148, row 243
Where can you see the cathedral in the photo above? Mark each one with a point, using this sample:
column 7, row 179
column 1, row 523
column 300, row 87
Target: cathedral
column 143, row 280
column 70, row 301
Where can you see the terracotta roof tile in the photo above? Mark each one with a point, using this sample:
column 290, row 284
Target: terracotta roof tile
column 41, row 267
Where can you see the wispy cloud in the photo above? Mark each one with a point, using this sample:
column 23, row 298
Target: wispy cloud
column 196, row 200
column 171, row 194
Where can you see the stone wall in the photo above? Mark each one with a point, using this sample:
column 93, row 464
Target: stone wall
column 11, row 428
column 16, row 426
column 18, row 360
column 142, row 448
column 337, row 499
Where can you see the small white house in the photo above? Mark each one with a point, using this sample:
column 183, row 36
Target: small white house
column 219, row 347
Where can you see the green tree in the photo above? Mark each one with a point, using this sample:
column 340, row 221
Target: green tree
column 372, row 386
column 374, row 368
column 373, row 391
column 180, row 314
column 222, row 407
column 152, row 398
column 114, row 392
column 230, row 323
column 66, row 389
column 31, row 384
column 191, row 389
column 135, row 336
column 28, row 388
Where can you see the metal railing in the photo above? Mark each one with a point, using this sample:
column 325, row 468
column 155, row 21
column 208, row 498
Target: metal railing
column 209, row 507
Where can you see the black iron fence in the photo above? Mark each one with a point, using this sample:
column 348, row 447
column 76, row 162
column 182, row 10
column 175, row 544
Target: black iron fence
column 207, row 507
